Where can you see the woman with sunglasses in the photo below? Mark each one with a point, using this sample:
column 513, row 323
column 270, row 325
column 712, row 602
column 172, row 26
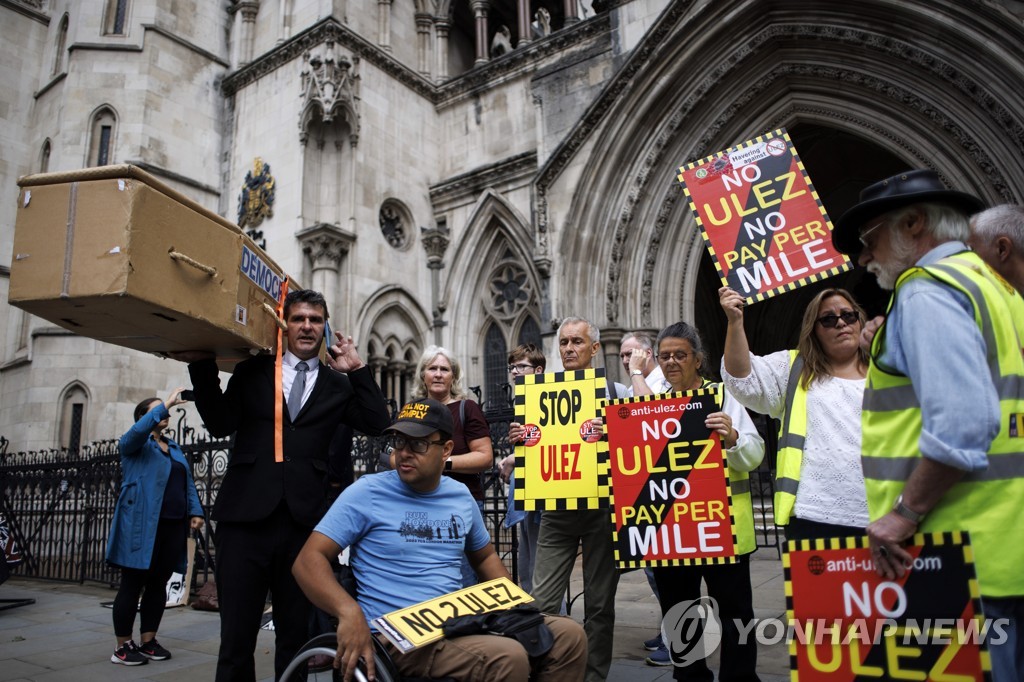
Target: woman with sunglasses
column 816, row 392
column 439, row 376
column 680, row 355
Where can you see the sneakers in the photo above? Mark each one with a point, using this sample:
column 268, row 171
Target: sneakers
column 128, row 654
column 659, row 657
column 654, row 643
column 152, row 650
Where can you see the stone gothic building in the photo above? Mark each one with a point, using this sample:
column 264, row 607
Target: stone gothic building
column 468, row 172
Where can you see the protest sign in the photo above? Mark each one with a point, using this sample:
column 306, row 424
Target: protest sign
column 178, row 585
column 563, row 461
column 671, row 500
column 850, row 623
column 763, row 223
column 420, row 624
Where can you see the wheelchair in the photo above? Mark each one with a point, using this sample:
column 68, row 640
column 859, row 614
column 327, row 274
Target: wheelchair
column 327, row 644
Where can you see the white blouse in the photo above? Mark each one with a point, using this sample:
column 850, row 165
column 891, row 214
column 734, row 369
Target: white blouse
column 831, row 479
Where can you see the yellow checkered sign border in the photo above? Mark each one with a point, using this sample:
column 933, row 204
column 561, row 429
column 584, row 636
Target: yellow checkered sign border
column 559, row 468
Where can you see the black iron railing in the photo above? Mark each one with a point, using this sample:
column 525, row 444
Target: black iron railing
column 59, row 503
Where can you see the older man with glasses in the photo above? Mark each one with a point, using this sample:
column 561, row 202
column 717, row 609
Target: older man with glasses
column 563, row 532
column 942, row 448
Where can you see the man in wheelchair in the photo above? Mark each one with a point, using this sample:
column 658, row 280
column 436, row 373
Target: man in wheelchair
column 407, row 530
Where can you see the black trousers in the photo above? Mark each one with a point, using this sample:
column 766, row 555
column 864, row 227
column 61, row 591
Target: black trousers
column 729, row 585
column 252, row 559
column 151, row 583
column 804, row 529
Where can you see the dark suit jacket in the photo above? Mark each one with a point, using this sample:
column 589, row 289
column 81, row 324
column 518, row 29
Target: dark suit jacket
column 255, row 484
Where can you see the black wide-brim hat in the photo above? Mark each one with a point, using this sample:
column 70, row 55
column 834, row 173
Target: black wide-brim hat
column 904, row 189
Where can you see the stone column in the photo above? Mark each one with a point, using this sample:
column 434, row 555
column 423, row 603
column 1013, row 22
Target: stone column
column 384, row 24
column 249, row 10
column 423, row 51
column 325, row 247
column 480, row 23
column 376, row 364
column 443, row 26
column 408, row 381
column 285, row 20
column 523, row 21
column 353, row 177
column 395, row 388
column 571, row 12
column 435, row 243
column 611, row 344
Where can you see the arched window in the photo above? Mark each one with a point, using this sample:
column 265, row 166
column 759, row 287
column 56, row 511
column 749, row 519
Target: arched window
column 495, row 362
column 44, row 156
column 101, row 138
column 73, row 407
column 394, row 370
column 116, row 18
column 60, row 46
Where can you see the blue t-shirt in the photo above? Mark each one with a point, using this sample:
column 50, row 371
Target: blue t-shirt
column 406, row 547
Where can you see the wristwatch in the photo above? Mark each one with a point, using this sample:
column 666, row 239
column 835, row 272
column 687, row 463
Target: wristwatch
column 636, row 373
column 906, row 512
column 448, row 465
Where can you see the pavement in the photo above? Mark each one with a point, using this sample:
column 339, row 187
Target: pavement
column 67, row 635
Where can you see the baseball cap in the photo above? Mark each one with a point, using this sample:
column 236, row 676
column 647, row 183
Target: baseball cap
column 421, row 418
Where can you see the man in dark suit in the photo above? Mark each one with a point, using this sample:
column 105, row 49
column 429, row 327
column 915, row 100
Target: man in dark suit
column 265, row 509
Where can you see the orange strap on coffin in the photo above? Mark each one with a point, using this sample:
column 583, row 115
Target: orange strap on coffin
column 278, row 381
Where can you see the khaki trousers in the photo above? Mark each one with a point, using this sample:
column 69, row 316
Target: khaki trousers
column 561, row 533
column 490, row 658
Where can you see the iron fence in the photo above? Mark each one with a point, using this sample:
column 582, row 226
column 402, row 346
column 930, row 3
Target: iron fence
column 59, row 504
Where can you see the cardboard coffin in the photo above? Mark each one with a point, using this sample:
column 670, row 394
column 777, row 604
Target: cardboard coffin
column 114, row 254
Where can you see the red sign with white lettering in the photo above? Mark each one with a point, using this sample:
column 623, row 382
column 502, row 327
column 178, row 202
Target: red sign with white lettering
column 761, row 219
column 671, row 502
column 848, row 623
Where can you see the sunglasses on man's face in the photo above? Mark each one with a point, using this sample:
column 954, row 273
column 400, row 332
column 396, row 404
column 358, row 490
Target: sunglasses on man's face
column 831, row 320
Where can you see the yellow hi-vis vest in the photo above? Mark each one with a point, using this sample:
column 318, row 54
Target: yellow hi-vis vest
column 988, row 504
column 792, row 433
column 739, row 487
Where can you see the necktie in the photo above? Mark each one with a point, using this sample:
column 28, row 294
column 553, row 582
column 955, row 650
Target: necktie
column 298, row 388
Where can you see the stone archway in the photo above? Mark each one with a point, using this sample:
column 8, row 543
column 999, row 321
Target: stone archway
column 862, row 95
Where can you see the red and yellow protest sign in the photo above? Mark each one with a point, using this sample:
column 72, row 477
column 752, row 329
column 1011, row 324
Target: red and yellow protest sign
column 849, row 623
column 761, row 219
column 671, row 500
column 563, row 461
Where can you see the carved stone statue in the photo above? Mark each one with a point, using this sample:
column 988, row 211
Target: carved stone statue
column 502, row 41
column 541, row 23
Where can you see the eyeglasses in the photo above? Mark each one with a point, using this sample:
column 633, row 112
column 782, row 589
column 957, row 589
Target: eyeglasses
column 831, row 320
column 865, row 233
column 521, row 368
column 417, row 445
column 678, row 356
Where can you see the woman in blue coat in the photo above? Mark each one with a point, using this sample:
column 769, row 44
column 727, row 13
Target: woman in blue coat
column 157, row 506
